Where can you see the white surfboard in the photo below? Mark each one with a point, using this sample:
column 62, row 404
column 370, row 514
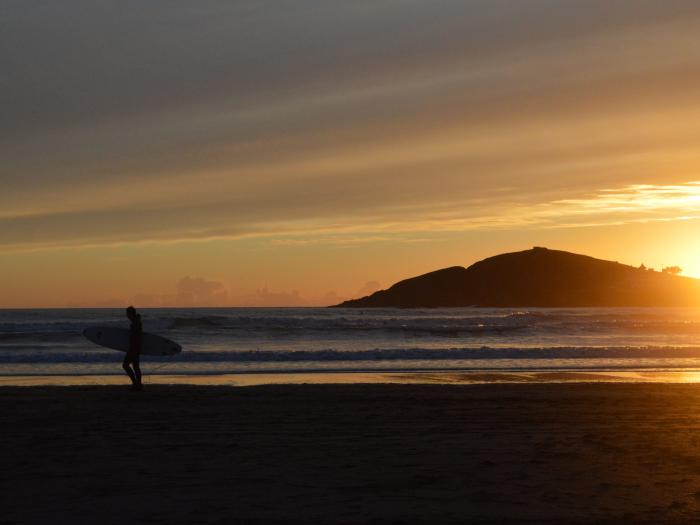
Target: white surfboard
column 118, row 339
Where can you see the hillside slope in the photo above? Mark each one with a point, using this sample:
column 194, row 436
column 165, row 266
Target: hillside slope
column 538, row 277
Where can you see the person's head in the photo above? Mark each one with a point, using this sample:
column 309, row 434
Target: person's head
column 131, row 312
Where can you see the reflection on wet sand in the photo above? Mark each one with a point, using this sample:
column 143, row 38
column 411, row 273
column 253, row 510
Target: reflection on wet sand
column 462, row 377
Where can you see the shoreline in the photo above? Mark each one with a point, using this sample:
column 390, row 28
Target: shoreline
column 344, row 378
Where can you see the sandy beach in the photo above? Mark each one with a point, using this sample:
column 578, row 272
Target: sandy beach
column 496, row 453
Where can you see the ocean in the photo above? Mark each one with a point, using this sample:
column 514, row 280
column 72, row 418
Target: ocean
column 236, row 340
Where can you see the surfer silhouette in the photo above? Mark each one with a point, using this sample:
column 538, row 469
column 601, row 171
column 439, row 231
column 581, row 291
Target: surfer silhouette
column 134, row 353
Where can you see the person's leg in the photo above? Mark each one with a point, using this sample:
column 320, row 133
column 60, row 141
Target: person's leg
column 127, row 368
column 137, row 369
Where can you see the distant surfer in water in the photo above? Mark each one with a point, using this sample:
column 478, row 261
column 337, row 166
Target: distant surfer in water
column 133, row 355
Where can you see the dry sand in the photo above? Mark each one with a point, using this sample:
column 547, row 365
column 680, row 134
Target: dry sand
column 498, row 453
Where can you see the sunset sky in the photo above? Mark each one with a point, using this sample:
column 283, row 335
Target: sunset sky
column 303, row 152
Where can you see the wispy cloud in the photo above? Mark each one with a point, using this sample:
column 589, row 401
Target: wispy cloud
column 637, row 203
column 402, row 223
column 203, row 133
column 630, row 204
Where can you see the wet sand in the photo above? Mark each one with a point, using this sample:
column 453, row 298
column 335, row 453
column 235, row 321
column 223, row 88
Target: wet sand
column 353, row 453
column 368, row 377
